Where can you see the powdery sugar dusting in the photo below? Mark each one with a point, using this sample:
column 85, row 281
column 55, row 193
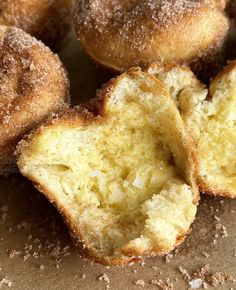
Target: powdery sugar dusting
column 134, row 20
column 18, row 72
column 33, row 83
column 48, row 20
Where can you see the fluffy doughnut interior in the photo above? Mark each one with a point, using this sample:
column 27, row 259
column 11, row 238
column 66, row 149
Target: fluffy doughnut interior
column 217, row 140
column 121, row 179
column 211, row 117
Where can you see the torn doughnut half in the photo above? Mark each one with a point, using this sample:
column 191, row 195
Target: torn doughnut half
column 210, row 115
column 121, row 170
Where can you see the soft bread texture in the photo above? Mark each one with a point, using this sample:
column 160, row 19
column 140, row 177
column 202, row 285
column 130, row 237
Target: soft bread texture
column 47, row 20
column 33, row 84
column 122, row 172
column 120, row 34
column 210, row 116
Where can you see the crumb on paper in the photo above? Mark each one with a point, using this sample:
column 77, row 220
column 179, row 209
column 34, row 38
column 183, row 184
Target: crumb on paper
column 203, row 277
column 184, row 273
column 168, row 258
column 142, row 264
column 219, row 278
column 222, row 202
column 217, row 218
column 14, row 253
column 195, row 283
column 205, row 254
column 139, row 282
column 5, row 282
column 176, row 251
column 104, row 278
column 163, row 284
column 221, row 230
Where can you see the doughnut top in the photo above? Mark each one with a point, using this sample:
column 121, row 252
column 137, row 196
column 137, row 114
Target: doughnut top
column 121, row 34
column 126, row 15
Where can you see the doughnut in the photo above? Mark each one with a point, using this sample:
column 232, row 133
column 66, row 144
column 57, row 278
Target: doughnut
column 120, row 169
column 210, row 116
column 119, row 34
column 33, row 84
column 47, row 20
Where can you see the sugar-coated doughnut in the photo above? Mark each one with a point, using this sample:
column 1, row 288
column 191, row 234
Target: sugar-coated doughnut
column 33, row 83
column 119, row 34
column 47, row 20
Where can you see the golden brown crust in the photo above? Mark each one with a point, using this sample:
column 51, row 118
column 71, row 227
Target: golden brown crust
column 121, row 34
column 33, row 84
column 83, row 116
column 206, row 189
column 48, row 21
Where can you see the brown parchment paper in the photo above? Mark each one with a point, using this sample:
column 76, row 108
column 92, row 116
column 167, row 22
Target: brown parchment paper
column 36, row 251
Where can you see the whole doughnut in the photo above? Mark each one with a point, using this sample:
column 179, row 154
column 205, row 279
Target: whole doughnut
column 47, row 20
column 33, row 84
column 119, row 34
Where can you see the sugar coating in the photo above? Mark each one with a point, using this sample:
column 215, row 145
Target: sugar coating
column 33, row 83
column 126, row 16
column 48, row 20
